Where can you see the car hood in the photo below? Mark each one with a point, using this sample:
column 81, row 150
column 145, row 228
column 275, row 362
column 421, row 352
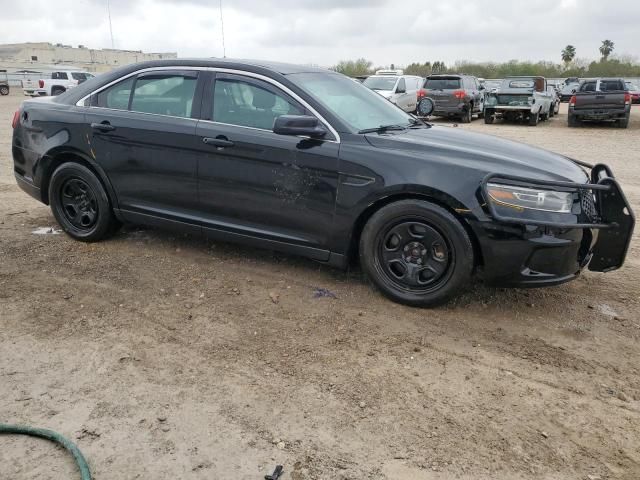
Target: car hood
column 484, row 153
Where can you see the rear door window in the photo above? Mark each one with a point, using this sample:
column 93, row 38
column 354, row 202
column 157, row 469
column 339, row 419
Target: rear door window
column 588, row 87
column 164, row 94
column 442, row 83
column 59, row 76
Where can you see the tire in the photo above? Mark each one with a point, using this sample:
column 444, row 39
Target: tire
column 57, row 91
column 4, row 90
column 80, row 203
column 533, row 119
column 551, row 110
column 489, row 119
column 467, row 116
column 623, row 123
column 416, row 253
column 545, row 116
column 572, row 121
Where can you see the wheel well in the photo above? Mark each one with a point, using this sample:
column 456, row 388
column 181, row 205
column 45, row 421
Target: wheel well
column 369, row 211
column 59, row 160
column 58, row 87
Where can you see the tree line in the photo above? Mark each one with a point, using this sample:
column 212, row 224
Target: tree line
column 571, row 66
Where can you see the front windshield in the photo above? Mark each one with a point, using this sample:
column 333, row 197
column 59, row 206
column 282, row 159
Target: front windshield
column 356, row 105
column 381, row 83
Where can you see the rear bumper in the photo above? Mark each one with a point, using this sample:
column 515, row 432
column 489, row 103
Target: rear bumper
column 448, row 110
column 526, row 253
column 28, row 186
column 599, row 114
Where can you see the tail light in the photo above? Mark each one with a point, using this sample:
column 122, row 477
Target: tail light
column 572, row 102
column 627, row 98
column 422, row 93
column 459, row 94
column 41, row 83
column 16, row 119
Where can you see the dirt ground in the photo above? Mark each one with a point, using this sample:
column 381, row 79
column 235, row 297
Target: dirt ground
column 165, row 357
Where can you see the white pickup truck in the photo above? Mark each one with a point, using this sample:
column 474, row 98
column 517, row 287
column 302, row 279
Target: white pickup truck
column 59, row 83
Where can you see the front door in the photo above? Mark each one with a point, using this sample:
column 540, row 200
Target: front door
column 142, row 132
column 254, row 183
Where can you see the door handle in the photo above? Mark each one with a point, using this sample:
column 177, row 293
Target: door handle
column 104, row 126
column 218, row 142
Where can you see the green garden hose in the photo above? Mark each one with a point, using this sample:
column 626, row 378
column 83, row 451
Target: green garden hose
column 54, row 437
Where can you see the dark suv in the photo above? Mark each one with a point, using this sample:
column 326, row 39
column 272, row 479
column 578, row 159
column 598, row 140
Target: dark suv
column 459, row 96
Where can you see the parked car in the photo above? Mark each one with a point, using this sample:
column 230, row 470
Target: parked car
column 568, row 88
column 555, row 101
column 401, row 90
column 59, row 83
column 634, row 91
column 519, row 98
column 308, row 161
column 600, row 99
column 4, row 83
column 459, row 96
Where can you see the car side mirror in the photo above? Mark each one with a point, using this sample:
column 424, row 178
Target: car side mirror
column 573, row 90
column 304, row 125
column 481, row 87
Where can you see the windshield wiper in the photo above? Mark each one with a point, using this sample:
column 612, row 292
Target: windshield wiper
column 418, row 123
column 383, row 128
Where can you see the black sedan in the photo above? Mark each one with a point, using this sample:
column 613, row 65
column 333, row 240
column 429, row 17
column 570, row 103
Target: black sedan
column 310, row 162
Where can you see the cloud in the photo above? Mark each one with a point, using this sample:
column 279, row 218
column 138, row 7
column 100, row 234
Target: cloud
column 324, row 32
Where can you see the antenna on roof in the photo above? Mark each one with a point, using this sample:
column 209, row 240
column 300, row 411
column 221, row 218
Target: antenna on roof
column 110, row 26
column 224, row 49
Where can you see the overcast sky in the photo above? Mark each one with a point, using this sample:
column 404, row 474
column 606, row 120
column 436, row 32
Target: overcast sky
column 325, row 31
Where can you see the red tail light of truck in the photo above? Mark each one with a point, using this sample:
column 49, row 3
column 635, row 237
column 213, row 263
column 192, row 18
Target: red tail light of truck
column 572, row 102
column 41, row 83
column 459, row 94
column 16, row 119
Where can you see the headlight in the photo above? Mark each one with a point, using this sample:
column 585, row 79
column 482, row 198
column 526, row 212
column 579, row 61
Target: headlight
column 530, row 198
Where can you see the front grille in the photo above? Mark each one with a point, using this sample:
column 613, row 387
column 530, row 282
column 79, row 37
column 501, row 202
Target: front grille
column 588, row 204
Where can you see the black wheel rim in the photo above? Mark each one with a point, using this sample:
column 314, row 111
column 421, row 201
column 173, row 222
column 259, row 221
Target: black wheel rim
column 414, row 256
column 78, row 203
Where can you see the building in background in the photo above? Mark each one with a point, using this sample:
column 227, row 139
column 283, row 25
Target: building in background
column 26, row 60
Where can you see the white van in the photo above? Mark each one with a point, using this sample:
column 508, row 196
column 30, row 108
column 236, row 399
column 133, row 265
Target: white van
column 399, row 89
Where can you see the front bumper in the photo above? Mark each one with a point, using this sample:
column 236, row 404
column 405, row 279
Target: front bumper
column 527, row 253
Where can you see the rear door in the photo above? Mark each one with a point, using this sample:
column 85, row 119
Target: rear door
column 440, row 89
column 142, row 132
column 256, row 184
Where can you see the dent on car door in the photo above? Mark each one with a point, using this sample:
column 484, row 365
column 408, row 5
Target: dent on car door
column 142, row 132
column 258, row 184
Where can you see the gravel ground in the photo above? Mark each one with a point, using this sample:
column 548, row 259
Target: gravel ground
column 170, row 357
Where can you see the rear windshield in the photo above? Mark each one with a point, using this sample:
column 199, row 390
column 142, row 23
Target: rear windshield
column 442, row 83
column 611, row 85
column 521, row 83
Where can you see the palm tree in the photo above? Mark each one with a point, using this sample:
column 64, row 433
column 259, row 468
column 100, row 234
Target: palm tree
column 568, row 54
column 606, row 48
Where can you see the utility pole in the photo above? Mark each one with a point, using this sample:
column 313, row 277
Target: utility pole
column 110, row 26
column 224, row 49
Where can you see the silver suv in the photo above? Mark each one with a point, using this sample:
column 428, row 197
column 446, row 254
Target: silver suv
column 459, row 96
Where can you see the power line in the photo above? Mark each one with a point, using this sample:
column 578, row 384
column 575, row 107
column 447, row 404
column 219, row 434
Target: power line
column 224, row 49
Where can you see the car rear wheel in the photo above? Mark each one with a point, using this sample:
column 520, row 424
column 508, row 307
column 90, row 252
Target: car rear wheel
column 534, row 118
column 573, row 121
column 623, row 123
column 551, row 110
column 467, row 116
column 80, row 203
column 4, row 90
column 416, row 253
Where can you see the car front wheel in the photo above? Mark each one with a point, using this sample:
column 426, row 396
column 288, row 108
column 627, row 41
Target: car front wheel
column 416, row 253
column 80, row 203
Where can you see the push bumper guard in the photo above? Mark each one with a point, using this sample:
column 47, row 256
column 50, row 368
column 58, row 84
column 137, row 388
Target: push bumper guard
column 615, row 219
